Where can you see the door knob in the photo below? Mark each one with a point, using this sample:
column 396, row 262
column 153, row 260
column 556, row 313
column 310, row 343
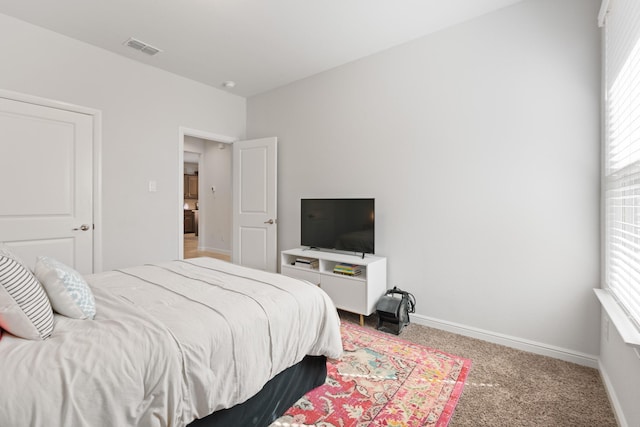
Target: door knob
column 83, row 227
column 270, row 222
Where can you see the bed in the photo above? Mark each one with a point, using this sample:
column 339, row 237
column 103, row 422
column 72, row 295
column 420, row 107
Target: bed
column 198, row 341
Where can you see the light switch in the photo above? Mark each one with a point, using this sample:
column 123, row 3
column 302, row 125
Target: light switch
column 153, row 186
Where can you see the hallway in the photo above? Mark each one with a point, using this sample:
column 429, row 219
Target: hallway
column 191, row 249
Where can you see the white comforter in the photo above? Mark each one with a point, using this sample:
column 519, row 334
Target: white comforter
column 170, row 343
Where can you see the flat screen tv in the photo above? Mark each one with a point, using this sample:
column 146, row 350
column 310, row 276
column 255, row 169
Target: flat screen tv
column 340, row 224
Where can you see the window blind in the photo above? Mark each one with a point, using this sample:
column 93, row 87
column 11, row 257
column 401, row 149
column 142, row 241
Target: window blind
column 622, row 154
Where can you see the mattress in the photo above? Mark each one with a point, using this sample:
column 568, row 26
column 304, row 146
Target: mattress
column 170, row 343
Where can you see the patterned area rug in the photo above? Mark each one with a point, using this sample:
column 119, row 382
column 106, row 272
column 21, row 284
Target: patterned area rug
column 382, row 380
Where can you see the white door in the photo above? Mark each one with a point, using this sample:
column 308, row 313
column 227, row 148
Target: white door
column 46, row 171
column 255, row 229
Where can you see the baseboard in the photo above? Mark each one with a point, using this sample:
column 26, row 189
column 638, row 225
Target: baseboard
column 218, row 250
column 613, row 398
column 509, row 341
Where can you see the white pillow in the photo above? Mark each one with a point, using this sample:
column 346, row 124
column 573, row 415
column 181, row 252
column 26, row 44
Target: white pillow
column 25, row 310
column 69, row 293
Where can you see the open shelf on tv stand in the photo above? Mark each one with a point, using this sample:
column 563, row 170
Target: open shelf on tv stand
column 357, row 294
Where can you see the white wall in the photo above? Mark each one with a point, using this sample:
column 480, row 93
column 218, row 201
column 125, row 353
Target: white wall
column 480, row 144
column 620, row 369
column 217, row 205
column 143, row 109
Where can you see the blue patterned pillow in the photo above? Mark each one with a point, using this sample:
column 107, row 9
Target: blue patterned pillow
column 25, row 310
column 69, row 293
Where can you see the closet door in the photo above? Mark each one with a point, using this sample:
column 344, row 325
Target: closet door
column 46, row 170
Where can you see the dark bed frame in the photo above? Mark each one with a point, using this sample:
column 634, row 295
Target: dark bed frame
column 274, row 399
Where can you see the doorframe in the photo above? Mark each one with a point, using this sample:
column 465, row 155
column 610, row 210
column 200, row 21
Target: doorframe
column 96, row 116
column 196, row 133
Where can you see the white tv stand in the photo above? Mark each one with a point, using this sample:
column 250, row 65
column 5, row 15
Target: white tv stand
column 357, row 294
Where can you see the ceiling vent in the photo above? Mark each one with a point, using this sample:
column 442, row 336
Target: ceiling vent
column 142, row 46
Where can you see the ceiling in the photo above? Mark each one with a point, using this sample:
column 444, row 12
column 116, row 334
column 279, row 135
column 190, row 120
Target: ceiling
column 258, row 44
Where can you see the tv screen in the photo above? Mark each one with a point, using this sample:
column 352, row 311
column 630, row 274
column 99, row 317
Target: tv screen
column 342, row 224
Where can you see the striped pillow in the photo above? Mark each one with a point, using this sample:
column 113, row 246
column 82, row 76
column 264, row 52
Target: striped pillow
column 25, row 310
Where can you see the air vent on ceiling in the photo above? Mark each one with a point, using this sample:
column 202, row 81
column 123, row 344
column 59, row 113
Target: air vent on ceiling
column 142, row 46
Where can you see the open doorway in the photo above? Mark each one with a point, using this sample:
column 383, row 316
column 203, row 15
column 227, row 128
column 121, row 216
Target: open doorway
column 205, row 225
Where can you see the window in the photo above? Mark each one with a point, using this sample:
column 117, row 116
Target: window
column 622, row 155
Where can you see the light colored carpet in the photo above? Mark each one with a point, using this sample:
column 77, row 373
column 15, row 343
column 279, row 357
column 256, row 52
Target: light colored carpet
column 513, row 388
